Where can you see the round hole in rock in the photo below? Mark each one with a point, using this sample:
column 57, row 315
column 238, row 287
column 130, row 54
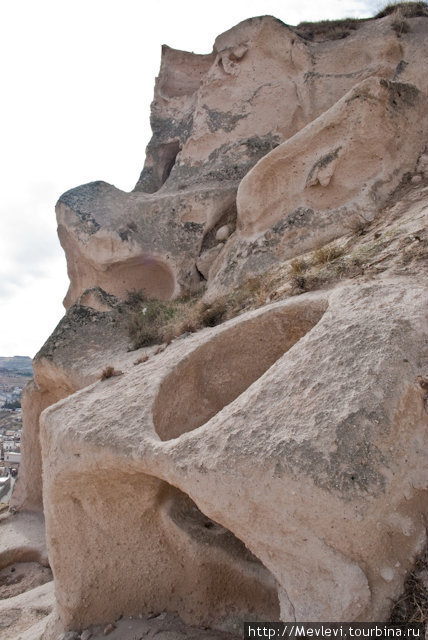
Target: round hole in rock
column 236, row 586
column 148, row 273
column 221, row 369
column 21, row 569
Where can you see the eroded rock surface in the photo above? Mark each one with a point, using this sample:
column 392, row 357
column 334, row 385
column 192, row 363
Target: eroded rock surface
column 214, row 117
column 318, row 462
column 275, row 466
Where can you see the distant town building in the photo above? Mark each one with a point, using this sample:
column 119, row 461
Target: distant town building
column 4, row 485
column 13, row 457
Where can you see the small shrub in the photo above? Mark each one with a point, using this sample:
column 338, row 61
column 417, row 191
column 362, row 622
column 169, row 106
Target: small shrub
column 326, row 254
column 399, row 23
column 408, row 9
column 109, row 372
column 214, row 313
column 135, row 298
column 145, row 327
column 359, row 226
column 298, row 266
column 412, row 607
column 298, row 284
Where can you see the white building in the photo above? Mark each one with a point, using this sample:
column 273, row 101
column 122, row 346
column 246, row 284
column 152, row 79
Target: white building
column 12, row 457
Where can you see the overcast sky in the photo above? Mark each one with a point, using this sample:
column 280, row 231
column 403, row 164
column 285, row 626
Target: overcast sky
column 77, row 80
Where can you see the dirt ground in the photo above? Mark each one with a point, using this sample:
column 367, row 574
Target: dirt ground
column 22, row 576
column 164, row 626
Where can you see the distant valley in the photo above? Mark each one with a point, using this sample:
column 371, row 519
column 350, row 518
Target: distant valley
column 15, row 372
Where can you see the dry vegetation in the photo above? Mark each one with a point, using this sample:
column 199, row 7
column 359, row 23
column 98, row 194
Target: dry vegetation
column 327, row 29
column 407, row 9
column 338, row 29
column 366, row 251
column 155, row 321
column 412, row 606
column 152, row 322
column 110, row 372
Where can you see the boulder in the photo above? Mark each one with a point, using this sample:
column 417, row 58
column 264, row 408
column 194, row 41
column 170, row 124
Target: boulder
column 277, row 452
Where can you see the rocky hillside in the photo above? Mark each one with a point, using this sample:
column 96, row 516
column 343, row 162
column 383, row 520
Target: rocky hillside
column 232, row 413
column 14, row 372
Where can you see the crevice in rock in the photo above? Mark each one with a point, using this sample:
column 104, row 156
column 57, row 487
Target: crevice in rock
column 166, row 157
column 220, row 370
column 239, row 583
column 150, row 549
column 228, row 218
column 201, row 275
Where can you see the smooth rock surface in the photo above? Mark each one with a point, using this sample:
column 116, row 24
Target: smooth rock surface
column 276, row 466
column 326, row 453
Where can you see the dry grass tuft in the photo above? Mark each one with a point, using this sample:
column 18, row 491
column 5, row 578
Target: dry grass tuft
column 399, row 23
column 135, row 297
column 327, row 29
column 145, row 325
column 328, row 253
column 298, row 266
column 109, row 372
column 407, row 9
column 156, row 322
column 412, row 606
column 338, row 29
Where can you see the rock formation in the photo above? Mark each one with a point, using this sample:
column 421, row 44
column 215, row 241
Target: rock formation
column 274, row 466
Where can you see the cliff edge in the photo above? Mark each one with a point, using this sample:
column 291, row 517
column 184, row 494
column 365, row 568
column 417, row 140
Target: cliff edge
column 230, row 422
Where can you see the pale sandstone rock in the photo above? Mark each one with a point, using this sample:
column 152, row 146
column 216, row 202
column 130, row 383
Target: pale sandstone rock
column 223, row 232
column 325, row 452
column 26, row 616
column 73, row 357
column 341, row 166
column 337, row 171
column 206, row 259
column 257, row 467
column 213, row 117
column 23, row 539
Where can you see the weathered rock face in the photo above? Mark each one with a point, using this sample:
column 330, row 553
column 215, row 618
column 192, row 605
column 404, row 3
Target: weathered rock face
column 73, row 357
column 213, row 117
column 339, row 169
column 301, row 428
column 333, row 175
column 275, row 466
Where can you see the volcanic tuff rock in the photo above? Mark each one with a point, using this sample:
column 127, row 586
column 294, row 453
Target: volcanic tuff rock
column 297, row 427
column 276, row 465
column 214, row 116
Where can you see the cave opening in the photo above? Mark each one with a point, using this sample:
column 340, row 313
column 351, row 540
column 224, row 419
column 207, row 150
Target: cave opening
column 166, row 158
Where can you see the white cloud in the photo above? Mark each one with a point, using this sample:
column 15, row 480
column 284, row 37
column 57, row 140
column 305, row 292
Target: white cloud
column 77, row 81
